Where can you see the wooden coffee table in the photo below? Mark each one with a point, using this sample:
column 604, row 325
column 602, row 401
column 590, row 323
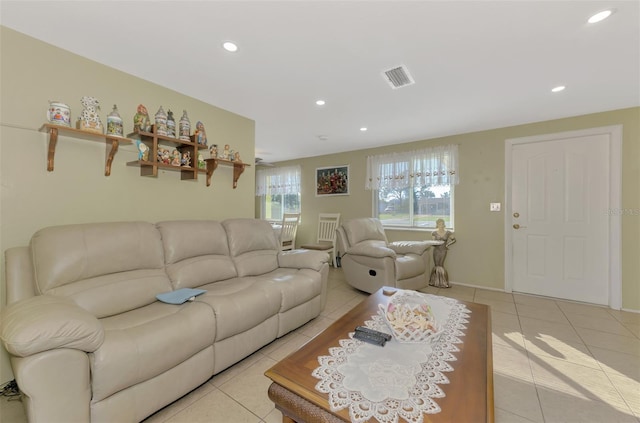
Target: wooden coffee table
column 469, row 395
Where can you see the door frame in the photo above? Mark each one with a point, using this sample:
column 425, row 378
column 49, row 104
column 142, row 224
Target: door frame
column 615, row 201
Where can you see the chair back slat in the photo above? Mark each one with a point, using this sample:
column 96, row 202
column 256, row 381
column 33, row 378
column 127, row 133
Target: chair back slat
column 288, row 230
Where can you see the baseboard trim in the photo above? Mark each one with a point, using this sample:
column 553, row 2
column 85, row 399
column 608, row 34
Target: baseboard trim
column 629, row 310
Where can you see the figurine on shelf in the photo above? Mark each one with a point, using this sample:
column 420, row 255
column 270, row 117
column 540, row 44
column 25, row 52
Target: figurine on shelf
column 166, row 157
column 226, row 153
column 184, row 127
column 213, row 151
column 201, row 163
column 59, row 113
column 171, row 124
column 143, row 150
column 161, row 122
column 89, row 119
column 141, row 120
column 114, row 123
column 236, row 157
column 175, row 158
column 186, row 159
column 201, row 134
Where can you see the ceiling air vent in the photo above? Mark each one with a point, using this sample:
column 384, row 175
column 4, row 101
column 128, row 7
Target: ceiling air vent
column 398, row 77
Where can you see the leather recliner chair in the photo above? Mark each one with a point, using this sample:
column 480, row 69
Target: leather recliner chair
column 370, row 262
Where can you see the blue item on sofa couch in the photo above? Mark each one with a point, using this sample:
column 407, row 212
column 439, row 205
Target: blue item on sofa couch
column 180, row 296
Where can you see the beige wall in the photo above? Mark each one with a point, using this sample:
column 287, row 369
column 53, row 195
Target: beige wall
column 32, row 73
column 478, row 256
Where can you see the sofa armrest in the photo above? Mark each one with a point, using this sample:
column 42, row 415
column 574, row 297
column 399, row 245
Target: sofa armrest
column 410, row 247
column 47, row 322
column 377, row 249
column 303, row 259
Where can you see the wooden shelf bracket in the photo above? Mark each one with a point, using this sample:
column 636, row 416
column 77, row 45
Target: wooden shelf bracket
column 112, row 140
column 238, row 168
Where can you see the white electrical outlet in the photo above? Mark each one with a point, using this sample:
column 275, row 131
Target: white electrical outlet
column 494, row 206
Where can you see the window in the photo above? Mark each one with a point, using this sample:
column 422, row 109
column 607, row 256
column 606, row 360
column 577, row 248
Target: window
column 414, row 189
column 279, row 189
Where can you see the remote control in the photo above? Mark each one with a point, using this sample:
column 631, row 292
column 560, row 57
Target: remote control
column 371, row 339
column 365, row 329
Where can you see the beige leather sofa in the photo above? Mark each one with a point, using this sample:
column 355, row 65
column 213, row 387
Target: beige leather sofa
column 370, row 262
column 89, row 341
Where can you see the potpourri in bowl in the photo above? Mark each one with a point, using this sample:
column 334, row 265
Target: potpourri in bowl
column 410, row 319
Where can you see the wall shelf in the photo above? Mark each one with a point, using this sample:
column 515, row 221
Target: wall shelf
column 112, row 141
column 238, row 168
column 154, row 142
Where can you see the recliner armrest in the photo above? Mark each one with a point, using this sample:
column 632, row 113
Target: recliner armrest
column 302, row 259
column 47, row 322
column 410, row 247
column 373, row 248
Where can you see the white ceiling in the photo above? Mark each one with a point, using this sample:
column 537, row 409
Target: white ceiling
column 477, row 64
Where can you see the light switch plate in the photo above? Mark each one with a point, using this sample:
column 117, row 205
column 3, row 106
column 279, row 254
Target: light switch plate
column 494, row 206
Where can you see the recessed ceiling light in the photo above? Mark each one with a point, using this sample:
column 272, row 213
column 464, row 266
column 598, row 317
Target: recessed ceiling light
column 320, row 102
column 363, row 129
column 558, row 89
column 600, row 16
column 229, row 46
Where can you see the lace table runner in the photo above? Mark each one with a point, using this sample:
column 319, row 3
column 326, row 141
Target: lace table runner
column 397, row 380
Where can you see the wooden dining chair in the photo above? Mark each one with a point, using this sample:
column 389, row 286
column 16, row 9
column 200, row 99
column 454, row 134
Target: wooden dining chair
column 326, row 239
column 288, row 231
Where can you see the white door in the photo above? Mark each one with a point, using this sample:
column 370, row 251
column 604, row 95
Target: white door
column 558, row 219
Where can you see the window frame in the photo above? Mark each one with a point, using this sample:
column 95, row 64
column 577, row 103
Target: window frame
column 263, row 207
column 279, row 182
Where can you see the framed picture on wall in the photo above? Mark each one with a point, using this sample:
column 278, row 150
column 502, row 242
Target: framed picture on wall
column 333, row 180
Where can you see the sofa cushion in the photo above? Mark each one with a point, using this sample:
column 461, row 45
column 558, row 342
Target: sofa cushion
column 252, row 245
column 361, row 229
column 145, row 342
column 107, row 268
column 296, row 286
column 240, row 304
column 196, row 252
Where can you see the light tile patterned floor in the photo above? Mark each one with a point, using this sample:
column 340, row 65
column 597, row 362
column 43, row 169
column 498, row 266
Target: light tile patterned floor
column 554, row 361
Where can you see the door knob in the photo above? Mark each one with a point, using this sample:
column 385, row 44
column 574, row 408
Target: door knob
column 516, row 226
column 516, row 215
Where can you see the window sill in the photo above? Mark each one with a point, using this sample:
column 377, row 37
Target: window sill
column 407, row 228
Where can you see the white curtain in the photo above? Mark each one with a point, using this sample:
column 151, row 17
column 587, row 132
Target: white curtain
column 421, row 168
column 278, row 180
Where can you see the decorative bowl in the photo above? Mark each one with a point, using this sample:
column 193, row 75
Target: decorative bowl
column 410, row 318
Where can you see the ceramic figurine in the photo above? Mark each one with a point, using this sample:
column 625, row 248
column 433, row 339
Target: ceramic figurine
column 59, row 113
column 89, row 119
column 236, row 157
column 201, row 163
column 166, row 157
column 143, row 151
column 141, row 121
column 226, row 153
column 439, row 276
column 184, row 127
column 161, row 122
column 213, row 151
column 186, row 159
column 200, row 133
column 114, row 123
column 171, row 124
column 175, row 158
